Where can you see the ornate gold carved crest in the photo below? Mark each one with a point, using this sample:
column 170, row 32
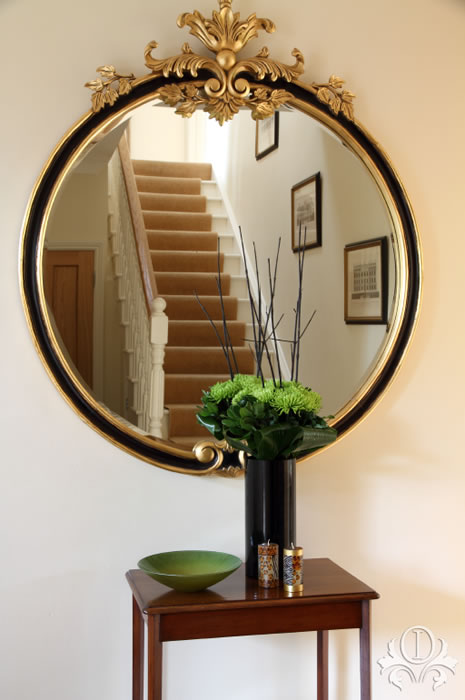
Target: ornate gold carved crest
column 228, row 87
column 227, row 90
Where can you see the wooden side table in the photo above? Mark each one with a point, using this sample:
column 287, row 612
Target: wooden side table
column 332, row 599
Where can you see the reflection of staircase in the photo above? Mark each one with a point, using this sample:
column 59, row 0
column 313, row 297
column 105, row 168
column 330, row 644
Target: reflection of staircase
column 184, row 255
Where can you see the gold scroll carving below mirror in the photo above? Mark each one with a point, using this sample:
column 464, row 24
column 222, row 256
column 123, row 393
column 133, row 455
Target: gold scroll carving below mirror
column 78, row 240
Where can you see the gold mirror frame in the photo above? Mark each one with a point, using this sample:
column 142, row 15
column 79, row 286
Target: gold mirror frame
column 220, row 85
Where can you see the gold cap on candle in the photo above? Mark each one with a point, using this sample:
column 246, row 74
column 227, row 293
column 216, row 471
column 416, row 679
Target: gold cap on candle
column 294, row 552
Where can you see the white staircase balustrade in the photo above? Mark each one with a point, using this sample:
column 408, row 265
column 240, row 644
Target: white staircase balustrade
column 145, row 334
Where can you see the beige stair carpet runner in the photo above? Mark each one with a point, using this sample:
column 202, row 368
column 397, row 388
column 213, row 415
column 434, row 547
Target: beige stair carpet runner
column 184, row 255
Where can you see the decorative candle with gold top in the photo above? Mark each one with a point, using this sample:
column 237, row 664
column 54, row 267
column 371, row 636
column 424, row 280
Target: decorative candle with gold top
column 293, row 569
column 268, row 565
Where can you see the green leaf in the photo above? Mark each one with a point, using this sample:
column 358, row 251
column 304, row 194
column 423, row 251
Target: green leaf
column 211, row 424
column 316, row 437
column 277, row 440
column 238, row 445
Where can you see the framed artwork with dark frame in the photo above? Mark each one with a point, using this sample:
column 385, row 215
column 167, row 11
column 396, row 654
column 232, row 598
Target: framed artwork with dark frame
column 366, row 281
column 306, row 213
column 266, row 135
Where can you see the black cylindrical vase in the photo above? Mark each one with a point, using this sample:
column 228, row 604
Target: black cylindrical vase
column 269, row 508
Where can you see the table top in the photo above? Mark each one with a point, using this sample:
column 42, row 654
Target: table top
column 324, row 581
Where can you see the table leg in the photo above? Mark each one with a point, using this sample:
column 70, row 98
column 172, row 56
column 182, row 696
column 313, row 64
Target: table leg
column 155, row 659
column 365, row 654
column 137, row 652
column 322, row 665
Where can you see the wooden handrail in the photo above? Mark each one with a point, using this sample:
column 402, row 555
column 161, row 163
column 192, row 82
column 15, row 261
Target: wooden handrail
column 142, row 246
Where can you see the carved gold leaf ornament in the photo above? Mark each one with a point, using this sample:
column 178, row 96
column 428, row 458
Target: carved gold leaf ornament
column 104, row 92
column 227, row 91
column 337, row 99
column 225, row 34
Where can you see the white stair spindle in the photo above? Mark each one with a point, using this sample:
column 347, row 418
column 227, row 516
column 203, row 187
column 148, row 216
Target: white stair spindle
column 158, row 340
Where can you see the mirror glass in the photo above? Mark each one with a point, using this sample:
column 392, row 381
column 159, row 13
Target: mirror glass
column 84, row 259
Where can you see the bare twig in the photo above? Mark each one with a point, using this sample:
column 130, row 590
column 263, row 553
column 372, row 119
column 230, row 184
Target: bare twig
column 226, row 354
column 307, row 324
column 272, row 296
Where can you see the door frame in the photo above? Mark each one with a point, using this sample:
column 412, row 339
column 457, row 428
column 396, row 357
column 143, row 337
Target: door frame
column 99, row 289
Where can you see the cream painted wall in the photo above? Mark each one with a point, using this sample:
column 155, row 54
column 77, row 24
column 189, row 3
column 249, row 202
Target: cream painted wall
column 386, row 502
column 156, row 133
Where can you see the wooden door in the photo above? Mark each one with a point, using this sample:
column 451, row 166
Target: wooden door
column 69, row 290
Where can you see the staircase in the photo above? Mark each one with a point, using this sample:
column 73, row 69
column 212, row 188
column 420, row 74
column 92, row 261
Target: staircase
column 184, row 223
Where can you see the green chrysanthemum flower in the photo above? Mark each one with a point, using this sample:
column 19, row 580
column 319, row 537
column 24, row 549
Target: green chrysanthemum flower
column 295, row 397
column 240, row 395
column 246, row 381
column 223, row 390
column 264, row 394
column 228, row 390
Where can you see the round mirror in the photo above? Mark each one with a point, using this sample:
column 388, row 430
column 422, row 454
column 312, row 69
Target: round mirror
column 189, row 185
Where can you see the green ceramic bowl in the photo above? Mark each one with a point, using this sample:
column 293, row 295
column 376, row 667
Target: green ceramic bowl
column 189, row 570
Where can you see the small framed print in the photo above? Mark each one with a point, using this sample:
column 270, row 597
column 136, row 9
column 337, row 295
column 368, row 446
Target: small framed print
column 266, row 135
column 306, row 213
column 365, row 281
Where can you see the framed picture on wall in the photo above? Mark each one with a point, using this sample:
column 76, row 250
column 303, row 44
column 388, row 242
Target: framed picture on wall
column 266, row 135
column 365, row 281
column 306, row 213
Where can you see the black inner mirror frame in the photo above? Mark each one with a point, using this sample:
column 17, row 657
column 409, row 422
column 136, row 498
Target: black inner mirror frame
column 211, row 457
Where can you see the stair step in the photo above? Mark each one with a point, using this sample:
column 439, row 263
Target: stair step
column 177, row 221
column 232, row 264
column 183, row 422
column 227, row 242
column 155, row 201
column 221, row 223
column 186, row 261
column 169, row 169
column 181, row 307
column 187, row 388
column 237, row 286
column 200, row 332
column 202, row 283
column 209, row 188
column 211, row 360
column 174, row 185
column 185, row 240
column 215, row 206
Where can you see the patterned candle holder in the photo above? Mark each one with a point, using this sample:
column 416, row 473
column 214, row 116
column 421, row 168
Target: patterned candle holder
column 293, row 569
column 268, row 565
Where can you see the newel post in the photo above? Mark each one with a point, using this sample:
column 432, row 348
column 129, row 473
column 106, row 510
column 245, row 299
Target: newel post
column 158, row 340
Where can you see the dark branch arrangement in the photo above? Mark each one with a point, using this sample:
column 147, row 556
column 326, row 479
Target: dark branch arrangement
column 264, row 324
column 272, row 418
